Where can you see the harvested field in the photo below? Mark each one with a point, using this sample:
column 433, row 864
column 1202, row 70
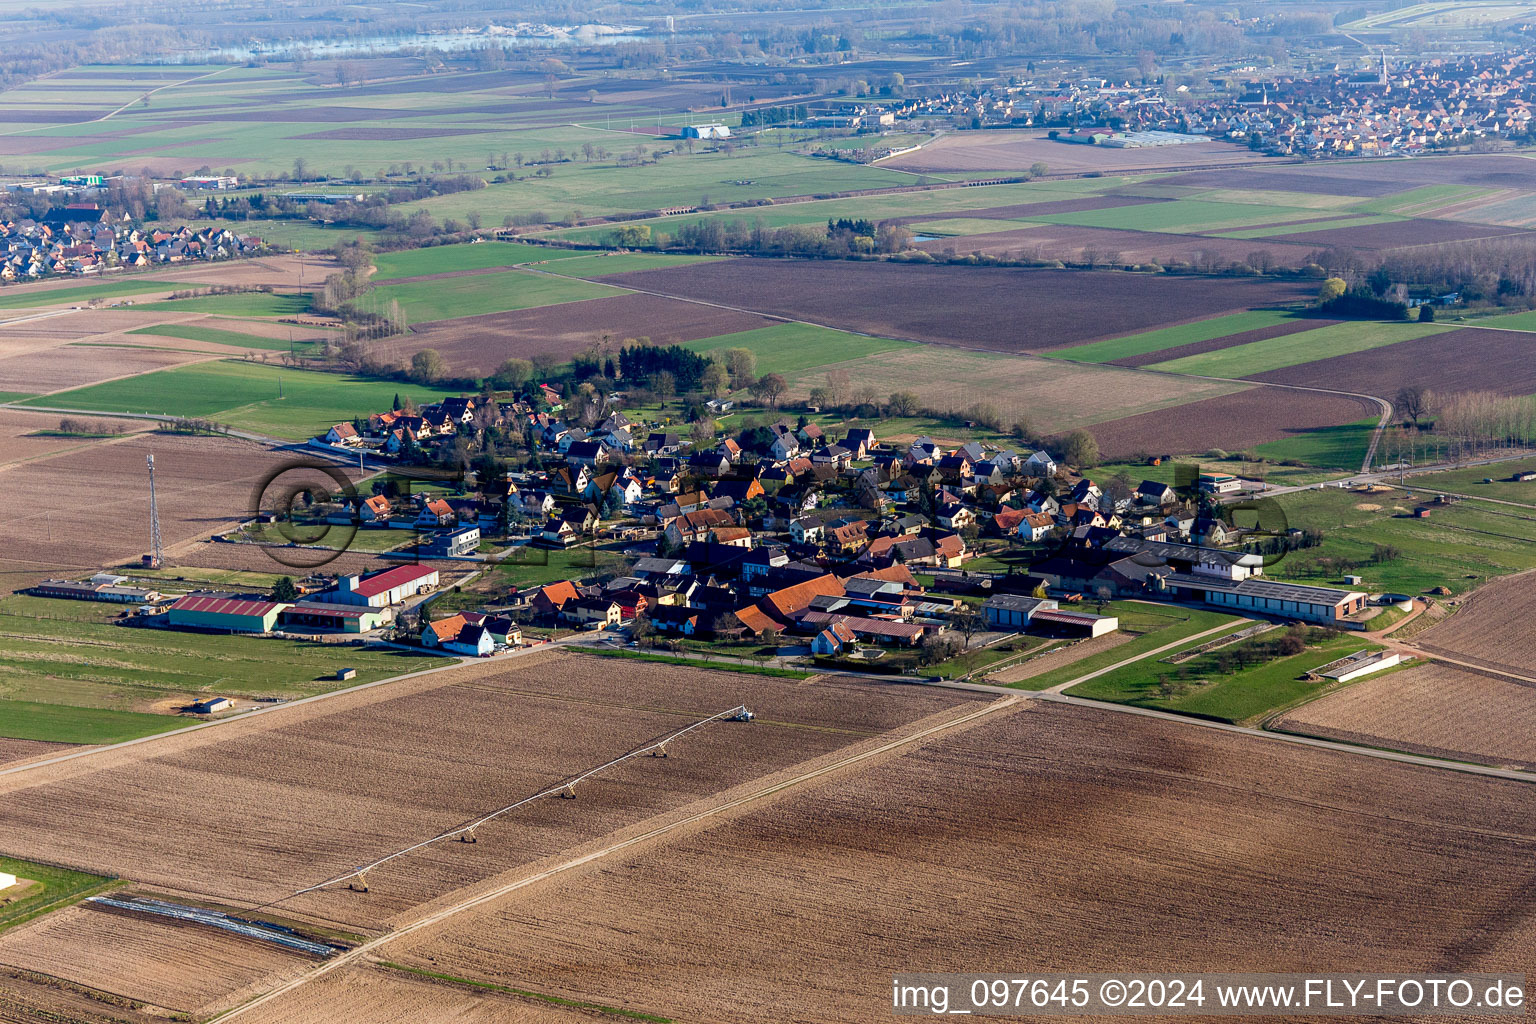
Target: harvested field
column 1471, row 359
column 1023, row 211
column 392, row 134
column 86, row 508
column 1061, row 837
column 1241, row 338
column 16, row 751
column 73, row 366
column 29, row 1000
column 1398, row 234
column 1369, row 177
column 1068, row 242
column 996, row 308
column 1232, row 422
column 1492, row 627
column 482, row 342
column 1052, row 394
column 379, row 995
column 357, row 776
column 1433, row 709
column 157, row 961
column 1015, row 151
column 18, row 445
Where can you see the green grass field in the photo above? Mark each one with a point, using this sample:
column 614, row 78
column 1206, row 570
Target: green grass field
column 601, row 264
column 1245, row 695
column 1181, row 216
column 53, row 888
column 795, row 348
column 1458, row 547
column 246, row 395
column 259, row 304
column 1470, row 481
column 1172, row 337
column 1341, row 447
column 91, row 681
column 15, row 297
column 1155, row 625
column 216, row 336
column 1510, row 321
column 1333, row 224
column 447, row 259
column 1294, row 349
column 493, row 292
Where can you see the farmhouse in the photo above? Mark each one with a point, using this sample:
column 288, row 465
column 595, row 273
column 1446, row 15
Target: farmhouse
column 1285, row 600
column 225, row 613
column 383, row 588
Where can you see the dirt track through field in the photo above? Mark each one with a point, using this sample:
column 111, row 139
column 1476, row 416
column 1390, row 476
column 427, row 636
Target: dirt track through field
column 734, row 803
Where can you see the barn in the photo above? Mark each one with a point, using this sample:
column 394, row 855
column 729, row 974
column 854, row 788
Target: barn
column 225, row 613
column 383, row 588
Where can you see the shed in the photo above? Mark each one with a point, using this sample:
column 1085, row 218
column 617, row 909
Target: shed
column 210, row 705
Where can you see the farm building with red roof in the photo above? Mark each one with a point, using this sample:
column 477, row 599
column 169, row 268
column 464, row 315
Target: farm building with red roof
column 384, row 588
column 225, row 613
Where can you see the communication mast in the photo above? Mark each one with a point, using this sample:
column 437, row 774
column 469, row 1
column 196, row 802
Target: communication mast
column 153, row 558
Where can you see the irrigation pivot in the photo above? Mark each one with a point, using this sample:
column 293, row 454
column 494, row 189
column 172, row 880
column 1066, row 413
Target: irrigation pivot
column 357, row 881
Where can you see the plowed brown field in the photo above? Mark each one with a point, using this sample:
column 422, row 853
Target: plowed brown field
column 1465, row 360
column 378, row 995
column 999, row 308
column 358, row 776
column 1053, row 839
column 483, row 342
column 1492, row 627
column 1432, row 709
column 150, row 959
column 1231, row 421
column 87, row 508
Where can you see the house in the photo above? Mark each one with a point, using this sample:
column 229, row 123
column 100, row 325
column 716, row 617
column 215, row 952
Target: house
column 586, row 453
column 1150, row 492
column 955, row 516
column 776, row 610
column 1219, row 483
column 472, row 641
column 1035, row 526
column 832, row 641
column 548, row 601
column 1040, row 464
column 342, row 434
column 374, row 510
column 225, row 613
column 807, row 530
column 712, row 464
column 860, row 441
column 873, row 630
column 435, row 512
column 600, row 612
column 696, row 525
column 383, row 588
column 435, row 634
column 847, row 538
column 453, row 544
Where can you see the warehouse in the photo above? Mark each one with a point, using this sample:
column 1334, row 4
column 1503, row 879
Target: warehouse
column 225, row 613
column 92, row 591
column 384, row 588
column 1282, row 600
column 344, row 618
column 1012, row 611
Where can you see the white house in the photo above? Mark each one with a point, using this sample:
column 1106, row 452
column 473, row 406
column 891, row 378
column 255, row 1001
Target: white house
column 1040, row 464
